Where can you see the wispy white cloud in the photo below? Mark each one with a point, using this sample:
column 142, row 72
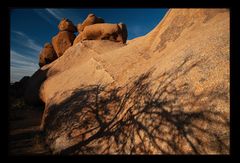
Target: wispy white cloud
column 55, row 13
column 19, row 33
column 45, row 16
column 17, row 56
column 48, row 15
column 21, row 66
column 24, row 61
column 25, row 41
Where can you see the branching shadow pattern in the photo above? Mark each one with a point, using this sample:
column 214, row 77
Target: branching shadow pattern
column 147, row 116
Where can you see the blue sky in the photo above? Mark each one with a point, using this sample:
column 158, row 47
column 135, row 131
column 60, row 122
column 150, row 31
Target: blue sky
column 32, row 28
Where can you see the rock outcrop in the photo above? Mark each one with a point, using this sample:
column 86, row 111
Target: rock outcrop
column 79, row 28
column 95, row 28
column 164, row 93
column 103, row 31
column 90, row 20
column 67, row 25
column 47, row 55
column 62, row 41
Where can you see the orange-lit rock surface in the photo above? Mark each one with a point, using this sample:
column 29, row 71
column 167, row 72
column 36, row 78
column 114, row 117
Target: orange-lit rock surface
column 164, row 93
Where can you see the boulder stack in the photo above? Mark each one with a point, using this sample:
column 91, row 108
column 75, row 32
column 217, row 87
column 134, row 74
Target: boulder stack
column 60, row 43
column 92, row 28
column 64, row 39
column 103, row 31
column 67, row 25
column 47, row 55
column 95, row 28
column 90, row 20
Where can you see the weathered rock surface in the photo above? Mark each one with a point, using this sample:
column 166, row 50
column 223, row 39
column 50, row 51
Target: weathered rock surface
column 47, row 55
column 67, row 25
column 62, row 41
column 164, row 93
column 103, row 31
column 79, row 28
column 90, row 20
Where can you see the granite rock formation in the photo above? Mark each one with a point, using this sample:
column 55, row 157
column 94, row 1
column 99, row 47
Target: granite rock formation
column 103, row 31
column 67, row 25
column 47, row 55
column 90, row 20
column 62, row 41
column 163, row 93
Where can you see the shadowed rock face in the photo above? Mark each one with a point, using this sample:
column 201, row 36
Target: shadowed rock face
column 124, row 32
column 47, row 55
column 65, row 37
column 17, row 89
column 67, row 25
column 31, row 93
column 62, row 41
column 135, row 120
column 163, row 93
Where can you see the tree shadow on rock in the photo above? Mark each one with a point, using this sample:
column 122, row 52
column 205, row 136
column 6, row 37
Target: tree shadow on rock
column 147, row 116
